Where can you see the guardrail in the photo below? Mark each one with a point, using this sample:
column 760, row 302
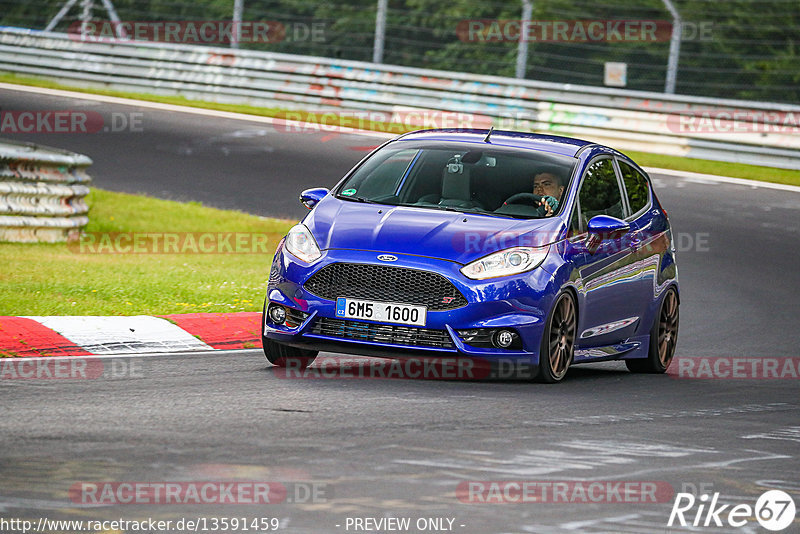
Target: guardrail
column 42, row 193
column 762, row 133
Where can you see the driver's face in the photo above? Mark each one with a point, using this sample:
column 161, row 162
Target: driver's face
column 547, row 184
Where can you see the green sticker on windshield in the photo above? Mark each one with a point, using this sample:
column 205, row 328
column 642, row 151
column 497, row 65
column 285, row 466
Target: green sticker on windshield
column 349, row 192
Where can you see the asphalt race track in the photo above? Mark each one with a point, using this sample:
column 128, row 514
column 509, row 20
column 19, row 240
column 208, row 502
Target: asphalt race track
column 250, row 166
column 400, row 448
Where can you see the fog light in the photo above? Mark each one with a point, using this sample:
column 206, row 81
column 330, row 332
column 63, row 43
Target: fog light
column 277, row 314
column 504, row 339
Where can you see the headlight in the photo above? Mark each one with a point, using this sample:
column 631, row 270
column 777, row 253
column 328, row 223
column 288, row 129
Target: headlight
column 504, row 263
column 301, row 243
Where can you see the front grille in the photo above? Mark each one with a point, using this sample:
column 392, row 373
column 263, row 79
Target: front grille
column 478, row 337
column 294, row 318
column 383, row 333
column 386, row 284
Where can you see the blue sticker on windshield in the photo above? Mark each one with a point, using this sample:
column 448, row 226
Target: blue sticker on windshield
column 349, row 192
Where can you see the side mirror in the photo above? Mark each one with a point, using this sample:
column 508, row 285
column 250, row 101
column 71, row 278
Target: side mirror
column 310, row 197
column 602, row 228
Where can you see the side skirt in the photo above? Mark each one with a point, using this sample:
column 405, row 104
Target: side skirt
column 630, row 349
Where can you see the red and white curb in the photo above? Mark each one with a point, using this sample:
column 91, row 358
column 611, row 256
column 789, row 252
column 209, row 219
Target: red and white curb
column 93, row 335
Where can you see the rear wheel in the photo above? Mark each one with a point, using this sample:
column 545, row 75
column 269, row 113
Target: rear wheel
column 283, row 355
column 558, row 340
column 663, row 338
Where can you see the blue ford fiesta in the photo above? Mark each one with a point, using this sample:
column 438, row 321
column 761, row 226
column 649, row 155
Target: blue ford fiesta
column 489, row 245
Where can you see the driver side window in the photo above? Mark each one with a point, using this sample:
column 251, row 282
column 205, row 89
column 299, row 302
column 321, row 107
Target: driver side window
column 600, row 193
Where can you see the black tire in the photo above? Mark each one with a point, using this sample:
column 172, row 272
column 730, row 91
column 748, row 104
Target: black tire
column 663, row 338
column 558, row 340
column 283, row 355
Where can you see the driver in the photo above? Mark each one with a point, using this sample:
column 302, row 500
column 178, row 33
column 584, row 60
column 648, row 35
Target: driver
column 550, row 187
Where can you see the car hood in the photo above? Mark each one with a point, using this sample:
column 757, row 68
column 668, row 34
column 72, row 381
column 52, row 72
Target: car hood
column 447, row 235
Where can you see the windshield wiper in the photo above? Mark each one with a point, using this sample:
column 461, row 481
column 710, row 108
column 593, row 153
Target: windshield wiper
column 465, row 210
column 429, row 206
column 357, row 199
column 493, row 214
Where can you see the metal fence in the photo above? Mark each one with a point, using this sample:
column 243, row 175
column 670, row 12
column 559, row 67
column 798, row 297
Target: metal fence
column 724, row 130
column 728, row 48
column 42, row 193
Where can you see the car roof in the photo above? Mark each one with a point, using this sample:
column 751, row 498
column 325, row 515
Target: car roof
column 566, row 146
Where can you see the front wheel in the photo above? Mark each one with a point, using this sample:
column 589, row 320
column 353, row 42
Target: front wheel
column 558, row 340
column 283, row 355
column 663, row 338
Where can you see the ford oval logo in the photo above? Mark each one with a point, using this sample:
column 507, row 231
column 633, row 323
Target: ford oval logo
column 387, row 257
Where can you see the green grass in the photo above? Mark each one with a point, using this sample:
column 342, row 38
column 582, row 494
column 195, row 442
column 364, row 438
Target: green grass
column 720, row 168
column 59, row 279
column 736, row 170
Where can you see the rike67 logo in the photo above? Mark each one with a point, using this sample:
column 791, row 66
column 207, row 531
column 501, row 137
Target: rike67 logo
column 774, row 510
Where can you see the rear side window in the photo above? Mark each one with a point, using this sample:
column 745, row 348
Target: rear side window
column 636, row 186
column 600, row 194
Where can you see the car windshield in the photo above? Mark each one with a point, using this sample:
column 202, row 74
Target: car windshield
column 469, row 178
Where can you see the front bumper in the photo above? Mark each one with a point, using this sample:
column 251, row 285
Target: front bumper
column 519, row 303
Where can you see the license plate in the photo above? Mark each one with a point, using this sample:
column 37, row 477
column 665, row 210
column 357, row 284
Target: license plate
column 382, row 312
